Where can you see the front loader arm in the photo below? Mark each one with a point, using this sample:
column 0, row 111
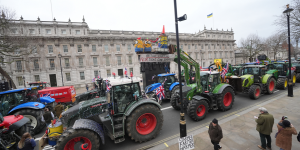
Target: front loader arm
column 186, row 70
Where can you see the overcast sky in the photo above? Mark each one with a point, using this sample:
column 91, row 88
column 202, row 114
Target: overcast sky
column 243, row 16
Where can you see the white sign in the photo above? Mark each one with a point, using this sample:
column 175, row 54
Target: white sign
column 157, row 57
column 186, row 143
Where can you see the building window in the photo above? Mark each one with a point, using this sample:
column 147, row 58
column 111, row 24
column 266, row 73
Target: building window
column 229, row 37
column 68, row 76
column 195, row 46
column 36, row 64
column 50, row 49
column 20, row 81
column 96, row 73
column 129, row 47
column 95, row 61
column 201, row 46
column 196, row 55
column 82, row 77
column 63, row 31
column 34, row 50
column 119, row 60
column 108, row 73
column 130, row 60
column 36, row 78
column 48, row 31
column 19, row 65
column 93, row 48
column 52, row 65
column 225, row 54
column 65, row 47
column 221, row 54
column 130, row 70
column 77, row 32
column 189, row 46
column 106, row 48
column 14, row 31
column 209, row 54
column 79, row 48
column 181, row 47
column 208, row 46
column 224, row 36
column 225, row 46
column 107, row 61
column 80, row 61
column 230, row 54
column 215, row 54
column 203, row 64
column 67, row 63
column 118, row 48
column 214, row 46
column 230, row 46
column 31, row 31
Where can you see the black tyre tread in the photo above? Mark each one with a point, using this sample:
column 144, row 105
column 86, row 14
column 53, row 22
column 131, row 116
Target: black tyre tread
column 37, row 114
column 173, row 101
column 70, row 133
column 174, row 89
column 131, row 122
column 280, row 83
column 252, row 92
column 268, row 83
column 298, row 77
column 193, row 105
column 220, row 103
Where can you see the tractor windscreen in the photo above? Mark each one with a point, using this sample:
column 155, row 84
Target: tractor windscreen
column 250, row 70
column 235, row 71
column 32, row 95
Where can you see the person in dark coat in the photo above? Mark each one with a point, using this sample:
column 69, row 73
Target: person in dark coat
column 284, row 136
column 215, row 134
column 47, row 117
column 87, row 87
column 58, row 109
column 264, row 126
column 26, row 142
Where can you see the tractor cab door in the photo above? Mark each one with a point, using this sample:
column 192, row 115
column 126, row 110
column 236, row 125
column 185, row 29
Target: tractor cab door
column 170, row 80
column 214, row 80
column 204, row 82
column 257, row 75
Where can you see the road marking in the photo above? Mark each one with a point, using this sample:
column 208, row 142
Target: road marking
column 237, row 114
column 257, row 105
column 166, row 144
column 166, row 108
column 276, row 91
column 207, row 127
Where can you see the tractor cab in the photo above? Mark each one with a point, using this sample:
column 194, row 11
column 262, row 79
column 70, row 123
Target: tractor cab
column 40, row 85
column 282, row 68
column 209, row 80
column 256, row 70
column 167, row 79
column 236, row 70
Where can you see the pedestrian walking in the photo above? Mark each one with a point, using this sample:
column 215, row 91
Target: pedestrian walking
column 87, row 87
column 284, row 135
column 265, row 122
column 215, row 134
column 58, row 109
column 26, row 142
column 47, row 117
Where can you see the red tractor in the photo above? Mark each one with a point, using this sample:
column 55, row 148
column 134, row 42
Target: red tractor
column 11, row 129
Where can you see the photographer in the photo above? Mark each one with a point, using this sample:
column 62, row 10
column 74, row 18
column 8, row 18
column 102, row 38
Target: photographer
column 284, row 134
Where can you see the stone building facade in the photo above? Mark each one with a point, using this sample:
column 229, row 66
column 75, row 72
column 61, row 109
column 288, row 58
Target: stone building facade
column 87, row 53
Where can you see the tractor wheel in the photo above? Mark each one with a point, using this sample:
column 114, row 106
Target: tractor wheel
column 271, row 85
column 197, row 109
column 174, row 101
column 144, row 123
column 254, row 91
column 174, row 89
column 298, row 77
column 225, row 101
column 73, row 139
column 282, row 83
column 35, row 116
column 294, row 78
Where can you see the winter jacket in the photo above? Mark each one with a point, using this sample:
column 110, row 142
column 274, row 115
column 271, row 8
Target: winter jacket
column 48, row 117
column 265, row 123
column 29, row 145
column 58, row 109
column 284, row 137
column 215, row 133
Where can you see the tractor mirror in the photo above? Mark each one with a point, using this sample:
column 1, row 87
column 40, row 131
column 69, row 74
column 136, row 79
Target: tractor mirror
column 1, row 118
column 108, row 97
column 211, row 79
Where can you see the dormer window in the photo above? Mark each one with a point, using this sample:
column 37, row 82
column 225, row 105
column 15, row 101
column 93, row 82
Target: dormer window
column 48, row 31
column 63, row 31
column 31, row 31
column 77, row 32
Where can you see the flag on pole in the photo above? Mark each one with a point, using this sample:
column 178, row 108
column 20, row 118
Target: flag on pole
column 225, row 70
column 210, row 70
column 98, row 76
column 94, row 80
column 125, row 72
column 210, row 15
column 131, row 75
column 257, row 61
column 107, row 87
column 160, row 92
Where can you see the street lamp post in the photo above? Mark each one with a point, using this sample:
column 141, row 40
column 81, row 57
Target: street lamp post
column 290, row 84
column 182, row 124
column 62, row 77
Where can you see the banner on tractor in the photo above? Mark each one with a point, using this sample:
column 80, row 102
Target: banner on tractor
column 218, row 60
column 156, row 57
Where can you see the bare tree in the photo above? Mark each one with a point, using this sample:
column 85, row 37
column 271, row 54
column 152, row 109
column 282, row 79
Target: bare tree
column 274, row 42
column 251, row 46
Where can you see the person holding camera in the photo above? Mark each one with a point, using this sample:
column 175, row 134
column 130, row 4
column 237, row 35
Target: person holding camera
column 284, row 134
column 264, row 126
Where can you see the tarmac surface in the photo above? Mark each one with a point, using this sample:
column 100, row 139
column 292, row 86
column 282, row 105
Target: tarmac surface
column 239, row 125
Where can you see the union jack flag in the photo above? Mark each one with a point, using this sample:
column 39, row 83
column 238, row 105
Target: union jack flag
column 107, row 87
column 225, row 70
column 45, row 95
column 210, row 70
column 94, row 80
column 160, row 92
column 257, row 61
column 98, row 76
column 293, row 68
column 125, row 72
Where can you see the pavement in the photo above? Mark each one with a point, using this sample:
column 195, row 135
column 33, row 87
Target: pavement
column 239, row 127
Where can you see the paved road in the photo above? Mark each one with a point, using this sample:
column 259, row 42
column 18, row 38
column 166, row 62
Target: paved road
column 171, row 121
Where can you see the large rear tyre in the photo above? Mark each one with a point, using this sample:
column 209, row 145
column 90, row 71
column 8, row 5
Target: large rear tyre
column 175, row 101
column 282, row 83
column 254, row 91
column 294, row 78
column 298, row 77
column 35, row 117
column 197, row 109
column 144, row 123
column 174, row 89
column 226, row 100
column 72, row 139
column 271, row 85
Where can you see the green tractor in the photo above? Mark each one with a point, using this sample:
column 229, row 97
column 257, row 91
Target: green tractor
column 207, row 93
column 123, row 110
column 254, row 80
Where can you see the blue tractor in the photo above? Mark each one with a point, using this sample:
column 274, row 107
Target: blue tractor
column 170, row 86
column 26, row 102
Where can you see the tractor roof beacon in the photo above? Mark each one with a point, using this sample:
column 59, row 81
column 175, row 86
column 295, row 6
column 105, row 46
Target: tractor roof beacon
column 123, row 110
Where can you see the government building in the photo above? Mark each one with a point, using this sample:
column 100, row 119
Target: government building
column 85, row 54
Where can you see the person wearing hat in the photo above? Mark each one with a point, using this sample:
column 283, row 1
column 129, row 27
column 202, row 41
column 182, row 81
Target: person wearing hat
column 215, row 134
column 264, row 126
column 284, row 135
